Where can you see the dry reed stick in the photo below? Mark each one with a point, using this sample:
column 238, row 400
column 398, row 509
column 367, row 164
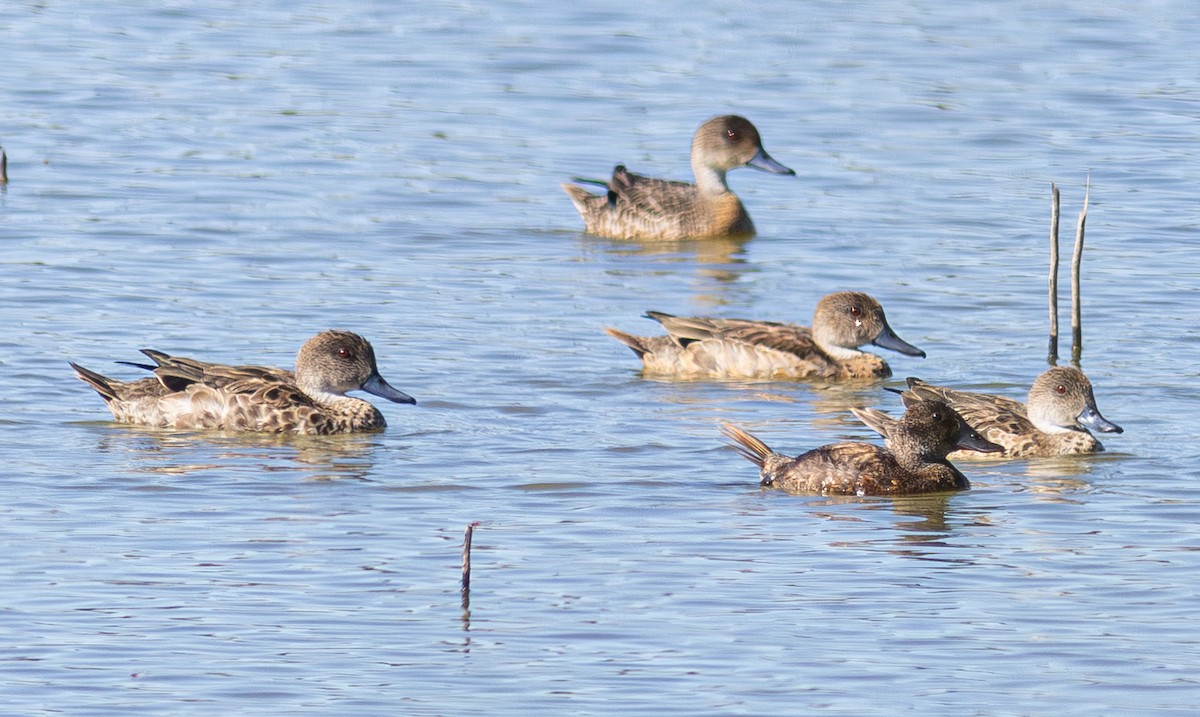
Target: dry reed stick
column 1052, row 355
column 1076, row 261
column 466, row 566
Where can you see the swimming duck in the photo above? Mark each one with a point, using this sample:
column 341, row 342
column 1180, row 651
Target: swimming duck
column 699, row 347
column 1053, row 421
column 638, row 207
column 914, row 460
column 188, row 394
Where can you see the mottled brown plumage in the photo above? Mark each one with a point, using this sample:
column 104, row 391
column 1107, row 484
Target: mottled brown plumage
column 698, row 347
column 1053, row 421
column 638, row 207
column 189, row 394
column 914, row 460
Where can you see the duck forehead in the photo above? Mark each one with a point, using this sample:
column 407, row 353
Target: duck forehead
column 322, row 356
column 338, row 340
column 728, row 133
column 742, row 127
column 844, row 301
column 1074, row 383
column 930, row 415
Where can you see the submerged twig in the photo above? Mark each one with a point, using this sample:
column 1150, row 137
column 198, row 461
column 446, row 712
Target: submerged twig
column 1076, row 261
column 3, row 167
column 1052, row 355
column 466, row 566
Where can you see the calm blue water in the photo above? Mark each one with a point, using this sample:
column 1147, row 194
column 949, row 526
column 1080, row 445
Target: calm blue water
column 225, row 179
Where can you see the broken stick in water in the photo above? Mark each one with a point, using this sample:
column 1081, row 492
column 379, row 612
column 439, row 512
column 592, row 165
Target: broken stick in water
column 1052, row 356
column 1076, row 261
column 466, row 566
column 3, row 167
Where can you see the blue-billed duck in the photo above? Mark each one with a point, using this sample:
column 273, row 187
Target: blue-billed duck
column 189, row 394
column 1053, row 421
column 638, row 207
column 698, row 348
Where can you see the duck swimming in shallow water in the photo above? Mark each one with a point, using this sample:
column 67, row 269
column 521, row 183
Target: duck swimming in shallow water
column 697, row 347
column 189, row 394
column 638, row 207
column 914, row 460
column 1054, row 420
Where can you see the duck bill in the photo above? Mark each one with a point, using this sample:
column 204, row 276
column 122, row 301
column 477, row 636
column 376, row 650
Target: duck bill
column 970, row 440
column 1092, row 419
column 378, row 387
column 763, row 161
column 888, row 339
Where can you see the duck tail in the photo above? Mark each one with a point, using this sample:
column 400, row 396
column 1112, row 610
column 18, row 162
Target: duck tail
column 588, row 180
column 102, row 384
column 748, row 447
column 636, row 343
column 579, row 196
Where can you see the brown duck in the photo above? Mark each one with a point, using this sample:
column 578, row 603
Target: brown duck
column 1053, row 421
column 638, row 207
column 188, row 394
column 914, row 460
column 697, row 347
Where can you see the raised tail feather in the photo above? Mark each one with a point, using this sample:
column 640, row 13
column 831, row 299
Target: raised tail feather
column 748, row 447
column 588, row 180
column 635, row 343
column 160, row 359
column 102, row 384
column 579, row 197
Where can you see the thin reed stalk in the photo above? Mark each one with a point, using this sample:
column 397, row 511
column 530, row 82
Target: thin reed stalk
column 1076, row 262
column 1052, row 353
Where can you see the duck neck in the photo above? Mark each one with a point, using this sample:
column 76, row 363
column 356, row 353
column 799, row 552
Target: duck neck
column 834, row 351
column 709, row 180
column 1046, row 423
column 908, row 458
column 841, row 353
column 324, row 397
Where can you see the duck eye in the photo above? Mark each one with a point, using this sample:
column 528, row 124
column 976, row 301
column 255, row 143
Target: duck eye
column 937, row 416
column 1060, row 389
column 344, row 353
column 855, row 311
column 731, row 134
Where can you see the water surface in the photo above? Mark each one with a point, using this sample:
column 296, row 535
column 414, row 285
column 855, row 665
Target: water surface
column 224, row 180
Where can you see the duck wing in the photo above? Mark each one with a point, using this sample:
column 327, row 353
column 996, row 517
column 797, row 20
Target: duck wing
column 179, row 372
column 788, row 338
column 995, row 417
column 849, row 468
column 882, row 423
column 650, row 197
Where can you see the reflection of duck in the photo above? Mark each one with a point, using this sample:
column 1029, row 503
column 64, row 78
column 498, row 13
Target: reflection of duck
column 1053, row 421
column 717, row 263
column 638, row 207
column 711, row 250
column 737, row 348
column 185, row 393
column 914, row 460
